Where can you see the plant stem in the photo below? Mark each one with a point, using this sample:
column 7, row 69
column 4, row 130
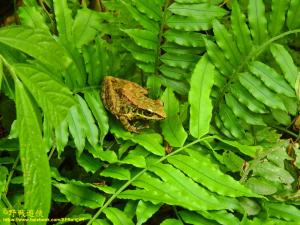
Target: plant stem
column 107, row 203
column 11, row 174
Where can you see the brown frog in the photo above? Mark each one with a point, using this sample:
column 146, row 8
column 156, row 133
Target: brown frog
column 129, row 103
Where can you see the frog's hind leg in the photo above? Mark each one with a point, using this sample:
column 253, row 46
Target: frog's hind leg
column 127, row 125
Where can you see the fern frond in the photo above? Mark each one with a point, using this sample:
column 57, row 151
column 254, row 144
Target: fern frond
column 293, row 15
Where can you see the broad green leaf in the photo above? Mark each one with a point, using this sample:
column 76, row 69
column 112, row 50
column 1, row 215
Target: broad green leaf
column 116, row 172
column 144, row 211
column 85, row 27
column 281, row 210
column 245, row 149
column 141, row 54
column 203, row 171
column 64, row 21
column 189, row 39
column 277, row 16
column 222, row 217
column 231, row 122
column 183, row 61
column 35, row 165
column 194, row 218
column 88, row 163
column 172, row 128
column 226, row 43
column 36, row 43
column 98, row 152
column 271, row 79
column 186, row 186
column 90, row 128
column 240, row 29
column 76, row 128
column 261, row 186
column 189, row 23
column 257, row 21
column 273, row 173
column 218, row 58
column 285, row 61
column 245, row 97
column 81, row 195
column 171, row 222
column 32, row 17
column 143, row 38
column 242, row 112
column 116, row 216
column 61, row 136
column 146, row 22
column 260, row 91
column 151, row 9
column 207, row 11
column 95, row 104
column 150, row 141
column 54, row 98
column 293, row 15
column 281, row 116
column 199, row 97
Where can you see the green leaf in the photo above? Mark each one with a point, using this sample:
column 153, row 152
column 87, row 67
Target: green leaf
column 293, row 15
column 146, row 22
column 116, row 216
column 116, row 172
column 261, row 186
column 242, row 112
column 76, row 128
column 89, row 126
column 226, row 43
column 189, row 23
column 246, row 98
column 143, row 38
column 88, row 163
column 203, row 171
column 205, row 10
column 36, row 43
column 218, row 58
column 32, row 17
column 277, row 16
column 81, row 195
column 222, row 217
column 183, row 61
column 199, row 97
column 1, row 73
column 86, row 26
column 64, row 21
column 9, row 144
column 61, row 136
column 150, row 141
column 171, row 222
column 151, row 9
column 271, row 79
column 54, row 98
column 281, row 116
column 273, row 173
column 194, row 218
column 285, row 61
column 144, row 211
column 231, row 122
column 257, row 21
column 35, row 165
column 281, row 210
column 189, row 39
column 4, row 214
column 260, row 91
column 172, row 128
column 240, row 29
column 95, row 104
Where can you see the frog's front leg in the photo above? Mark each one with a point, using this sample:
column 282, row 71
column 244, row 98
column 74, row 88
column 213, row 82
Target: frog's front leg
column 127, row 124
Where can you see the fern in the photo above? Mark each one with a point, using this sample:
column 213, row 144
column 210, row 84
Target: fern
column 271, row 90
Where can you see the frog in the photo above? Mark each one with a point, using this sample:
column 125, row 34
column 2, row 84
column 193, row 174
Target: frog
column 130, row 104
